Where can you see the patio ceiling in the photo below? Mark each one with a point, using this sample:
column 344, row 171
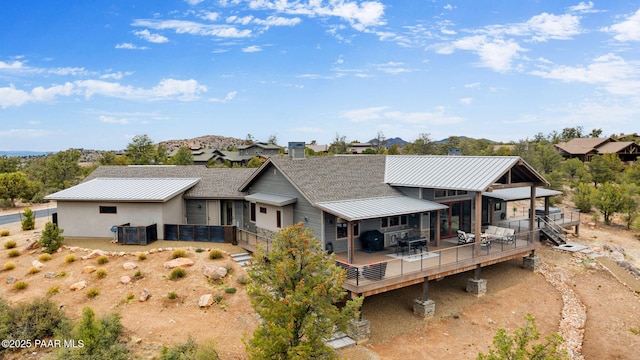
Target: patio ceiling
column 360, row 209
column 519, row 193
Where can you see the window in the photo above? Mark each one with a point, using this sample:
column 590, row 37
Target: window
column 394, row 221
column 440, row 193
column 252, row 215
column 263, row 210
column 278, row 219
column 341, row 229
column 108, row 210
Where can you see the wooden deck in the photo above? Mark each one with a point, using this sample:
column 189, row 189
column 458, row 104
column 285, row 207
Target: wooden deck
column 412, row 269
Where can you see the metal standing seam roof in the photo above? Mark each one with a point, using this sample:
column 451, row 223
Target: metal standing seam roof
column 471, row 173
column 119, row 189
column 359, row 209
column 520, row 193
column 270, row 199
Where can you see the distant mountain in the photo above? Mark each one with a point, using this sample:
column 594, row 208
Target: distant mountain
column 23, row 153
column 391, row 141
column 203, row 142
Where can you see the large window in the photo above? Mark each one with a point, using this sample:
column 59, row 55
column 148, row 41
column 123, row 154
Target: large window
column 393, row 221
column 278, row 219
column 252, row 212
column 108, row 210
column 342, row 226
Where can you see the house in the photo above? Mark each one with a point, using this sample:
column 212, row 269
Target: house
column 200, row 156
column 393, row 221
column 245, row 153
column 359, row 148
column 585, row 148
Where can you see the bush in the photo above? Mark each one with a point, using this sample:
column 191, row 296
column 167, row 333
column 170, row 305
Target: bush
column 20, row 285
column 91, row 293
column 142, row 256
column 178, row 253
column 70, row 258
column 4, row 233
column 28, row 219
column 242, row 279
column 172, row 295
column 13, row 253
column 102, row 259
column 177, row 273
column 33, row 270
column 44, row 257
column 230, row 290
column 138, row 275
column 191, row 350
column 51, row 240
column 10, row 244
column 101, row 273
column 199, row 250
column 9, row 266
column 216, row 254
column 53, row 290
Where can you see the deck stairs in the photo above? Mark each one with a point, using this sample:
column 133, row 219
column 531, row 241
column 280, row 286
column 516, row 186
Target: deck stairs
column 552, row 231
column 340, row 340
column 243, row 259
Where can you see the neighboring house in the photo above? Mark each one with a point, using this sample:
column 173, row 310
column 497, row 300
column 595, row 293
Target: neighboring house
column 585, row 148
column 359, row 148
column 245, row 153
column 145, row 194
column 200, row 156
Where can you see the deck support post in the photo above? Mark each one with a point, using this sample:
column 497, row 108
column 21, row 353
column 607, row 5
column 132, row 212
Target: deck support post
column 424, row 307
column 476, row 285
column 359, row 329
column 531, row 262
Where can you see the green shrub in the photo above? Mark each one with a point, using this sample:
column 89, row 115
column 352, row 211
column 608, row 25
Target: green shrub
column 142, row 256
column 4, row 233
column 100, row 338
column 70, row 258
column 199, row 250
column 20, row 285
column 138, row 275
column 44, row 257
column 62, row 274
column 216, row 254
column 28, row 219
column 177, row 273
column 191, row 350
column 53, row 290
column 178, row 253
column 13, row 253
column 9, row 266
column 243, row 279
column 172, row 295
column 101, row 273
column 33, row 270
column 230, row 290
column 10, row 244
column 51, row 240
column 102, row 259
column 130, row 297
column 91, row 293
column 38, row 319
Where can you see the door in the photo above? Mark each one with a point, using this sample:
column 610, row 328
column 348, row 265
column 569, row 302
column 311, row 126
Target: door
column 456, row 217
column 228, row 216
column 213, row 212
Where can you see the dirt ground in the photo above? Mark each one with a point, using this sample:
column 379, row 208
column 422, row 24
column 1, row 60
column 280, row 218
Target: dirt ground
column 464, row 324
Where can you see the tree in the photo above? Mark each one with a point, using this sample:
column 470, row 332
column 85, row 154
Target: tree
column 575, row 171
column 605, row 168
column 517, row 346
column 380, row 143
column 160, row 156
column 28, row 221
column 100, row 338
column 183, row 156
column 8, row 164
column 595, row 133
column 255, row 162
column 294, row 289
column 13, row 186
column 62, row 169
column 629, row 202
column 423, row 145
column 571, row 133
column 109, row 158
column 339, row 145
column 51, row 239
column 140, row 151
column 583, row 195
column 608, row 199
column 394, row 149
column 272, row 140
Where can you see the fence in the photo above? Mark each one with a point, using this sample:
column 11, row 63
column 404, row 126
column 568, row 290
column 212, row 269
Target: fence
column 137, row 235
column 205, row 233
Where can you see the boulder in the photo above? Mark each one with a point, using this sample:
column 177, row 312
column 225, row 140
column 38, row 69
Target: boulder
column 49, row 275
column 129, row 266
column 94, row 254
column 179, row 262
column 31, row 245
column 206, row 300
column 79, row 285
column 89, row 269
column 125, row 279
column 214, row 272
column 145, row 295
column 11, row 279
column 38, row 264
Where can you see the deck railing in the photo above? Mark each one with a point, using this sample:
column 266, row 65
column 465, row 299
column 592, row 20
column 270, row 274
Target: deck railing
column 251, row 240
column 443, row 259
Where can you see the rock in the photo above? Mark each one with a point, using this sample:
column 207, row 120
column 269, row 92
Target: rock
column 145, row 295
column 137, row 341
column 94, row 254
column 125, row 279
column 11, row 279
column 613, row 248
column 31, row 245
column 617, row 256
column 153, row 251
column 79, row 285
column 214, row 272
column 73, row 248
column 129, row 266
column 206, row 300
column 49, row 275
column 179, row 262
column 121, row 253
column 89, row 269
column 38, row 264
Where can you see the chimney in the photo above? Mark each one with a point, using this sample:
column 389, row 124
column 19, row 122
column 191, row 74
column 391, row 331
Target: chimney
column 296, row 149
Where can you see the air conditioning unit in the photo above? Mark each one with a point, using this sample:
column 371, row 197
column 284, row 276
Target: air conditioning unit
column 391, row 238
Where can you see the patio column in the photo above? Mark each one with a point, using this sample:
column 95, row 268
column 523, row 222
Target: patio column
column 424, row 307
column 478, row 222
column 359, row 329
column 350, row 245
column 532, row 206
column 476, row 285
column 437, row 231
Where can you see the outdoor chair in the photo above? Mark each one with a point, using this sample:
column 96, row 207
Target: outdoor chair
column 465, row 238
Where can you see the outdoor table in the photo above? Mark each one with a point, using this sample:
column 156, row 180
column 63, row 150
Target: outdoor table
column 413, row 243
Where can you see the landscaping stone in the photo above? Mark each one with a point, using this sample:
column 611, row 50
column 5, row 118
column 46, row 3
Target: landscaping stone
column 145, row 295
column 37, row 264
column 79, row 285
column 125, row 279
column 206, row 300
column 94, row 254
column 129, row 266
column 11, row 279
column 89, row 269
column 49, row 275
column 179, row 262
column 214, row 272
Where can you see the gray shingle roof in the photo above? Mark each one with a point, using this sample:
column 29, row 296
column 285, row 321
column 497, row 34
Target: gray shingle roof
column 220, row 183
column 333, row 178
column 118, row 189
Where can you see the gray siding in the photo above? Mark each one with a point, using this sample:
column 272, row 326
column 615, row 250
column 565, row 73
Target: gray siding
column 195, row 214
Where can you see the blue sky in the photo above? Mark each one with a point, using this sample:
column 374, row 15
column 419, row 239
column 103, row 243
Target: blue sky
column 93, row 74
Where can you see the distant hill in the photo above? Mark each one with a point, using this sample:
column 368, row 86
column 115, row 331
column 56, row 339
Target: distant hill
column 204, row 142
column 23, row 153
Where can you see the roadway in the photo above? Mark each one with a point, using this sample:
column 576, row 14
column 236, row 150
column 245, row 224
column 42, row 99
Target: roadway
column 12, row 218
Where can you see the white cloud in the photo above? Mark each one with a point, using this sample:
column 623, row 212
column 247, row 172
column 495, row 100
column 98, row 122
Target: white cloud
column 116, row 75
column 193, row 2
column 130, row 46
column 496, row 54
column 112, row 120
column 628, row 30
column 611, row 71
column 466, row 101
column 193, row 28
column 211, row 16
column 23, row 133
column 364, row 115
column 227, row 98
column 583, row 8
column 148, row 36
column 12, row 66
column 278, row 21
column 74, row 71
column 252, row 49
column 10, row 96
column 393, row 68
column 381, row 113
